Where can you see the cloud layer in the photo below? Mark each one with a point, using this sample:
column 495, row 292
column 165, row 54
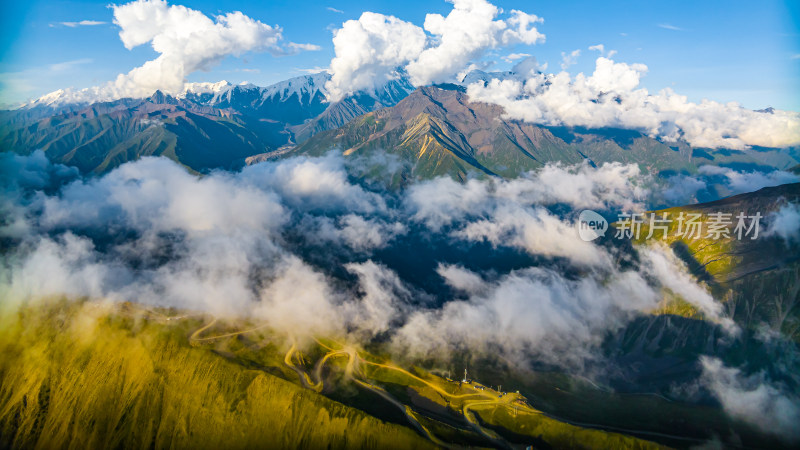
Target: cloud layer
column 437, row 269
column 611, row 97
column 244, row 243
column 753, row 399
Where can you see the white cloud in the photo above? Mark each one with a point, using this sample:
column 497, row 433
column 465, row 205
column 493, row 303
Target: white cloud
column 569, row 59
column 68, row 65
column 460, row 278
column 465, row 34
column 599, row 47
column 611, row 97
column 186, row 40
column 785, row 223
column 370, row 50
column 312, row 70
column 303, row 47
column 511, row 57
column 332, row 9
column 381, row 302
column 682, row 189
column 510, row 212
column 602, row 50
column 528, row 313
column 667, row 26
column 740, row 182
column 441, row 202
column 672, row 274
column 753, row 399
column 314, row 184
column 82, row 23
column 535, row 230
column 292, row 244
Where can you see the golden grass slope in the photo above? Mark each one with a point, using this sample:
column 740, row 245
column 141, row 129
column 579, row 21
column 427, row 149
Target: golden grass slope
column 79, row 376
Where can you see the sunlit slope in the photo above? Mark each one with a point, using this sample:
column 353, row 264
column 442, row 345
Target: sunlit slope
column 100, row 375
column 436, row 131
column 757, row 279
column 83, row 377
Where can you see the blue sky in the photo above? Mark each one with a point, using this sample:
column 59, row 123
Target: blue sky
column 747, row 52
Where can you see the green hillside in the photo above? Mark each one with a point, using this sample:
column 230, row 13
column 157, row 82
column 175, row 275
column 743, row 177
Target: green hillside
column 757, row 279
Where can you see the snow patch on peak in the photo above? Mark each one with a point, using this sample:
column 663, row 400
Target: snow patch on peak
column 68, row 96
column 309, row 85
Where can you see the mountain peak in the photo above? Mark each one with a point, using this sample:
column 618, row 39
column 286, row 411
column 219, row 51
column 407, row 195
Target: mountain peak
column 159, row 97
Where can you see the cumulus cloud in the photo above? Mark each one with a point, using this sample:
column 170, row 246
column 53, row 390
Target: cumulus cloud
column 460, row 278
column 382, row 301
column 753, row 399
column 314, row 183
column 19, row 177
column 535, row 230
column 467, row 31
column 371, row 49
column 186, row 40
column 602, row 50
column 611, row 97
column 298, row 246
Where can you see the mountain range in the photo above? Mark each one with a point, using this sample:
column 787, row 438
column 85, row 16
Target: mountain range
column 432, row 130
column 208, row 126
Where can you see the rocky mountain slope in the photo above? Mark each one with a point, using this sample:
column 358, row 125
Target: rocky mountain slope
column 437, row 131
column 206, row 127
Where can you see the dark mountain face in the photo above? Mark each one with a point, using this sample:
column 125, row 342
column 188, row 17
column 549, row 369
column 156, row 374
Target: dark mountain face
column 345, row 110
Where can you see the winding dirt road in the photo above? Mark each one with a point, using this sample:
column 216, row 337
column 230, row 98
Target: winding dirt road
column 354, row 372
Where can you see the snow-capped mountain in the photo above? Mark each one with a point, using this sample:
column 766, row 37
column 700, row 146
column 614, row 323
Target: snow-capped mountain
column 206, row 126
